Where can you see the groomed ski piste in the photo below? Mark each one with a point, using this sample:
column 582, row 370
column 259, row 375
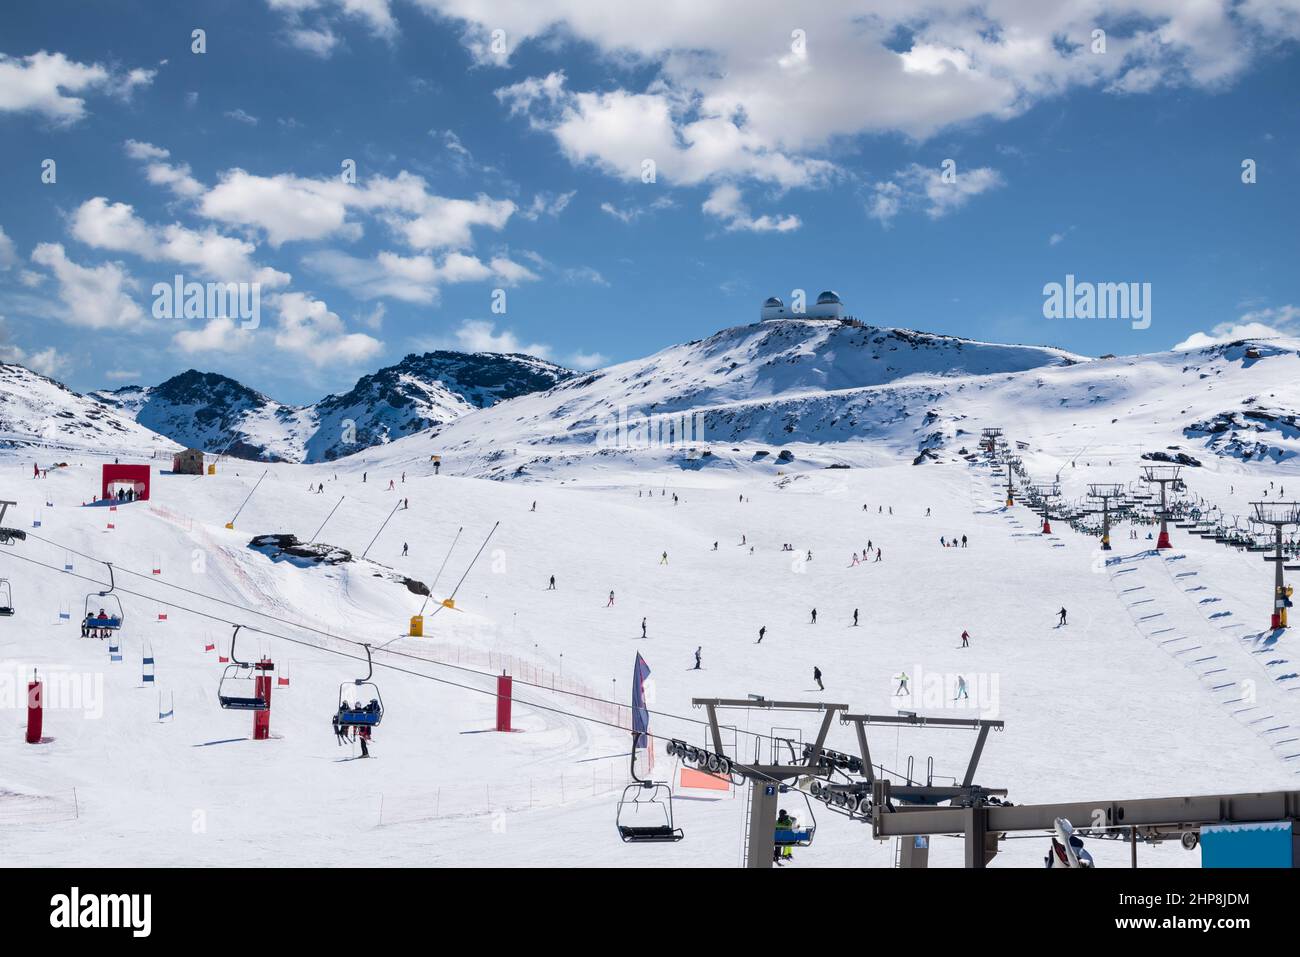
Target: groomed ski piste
column 1109, row 706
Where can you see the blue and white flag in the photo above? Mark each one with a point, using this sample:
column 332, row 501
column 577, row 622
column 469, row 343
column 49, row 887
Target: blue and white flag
column 640, row 713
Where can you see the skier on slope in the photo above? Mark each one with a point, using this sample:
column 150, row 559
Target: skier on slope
column 663, row 559
column 551, row 586
column 814, row 616
column 855, row 618
column 643, row 627
column 1062, row 621
column 902, row 684
column 611, row 598
column 761, row 632
column 817, row 677
column 961, row 689
column 404, row 549
column 697, row 657
column 965, row 639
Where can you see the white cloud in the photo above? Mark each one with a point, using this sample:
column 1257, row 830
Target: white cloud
column 215, row 335
column 307, row 328
column 547, row 204
column 924, row 188
column 412, row 278
column 289, row 208
column 115, row 227
column 725, row 203
column 94, row 297
column 8, row 252
column 482, row 335
column 122, row 375
column 48, row 362
column 319, row 41
column 175, row 177
column 320, row 16
column 1270, row 323
column 240, row 115
column 727, row 97
column 47, row 83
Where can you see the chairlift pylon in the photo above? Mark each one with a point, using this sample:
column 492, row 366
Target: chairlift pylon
column 645, row 811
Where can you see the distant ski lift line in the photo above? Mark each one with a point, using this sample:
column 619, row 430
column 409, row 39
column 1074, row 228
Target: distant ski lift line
column 325, row 634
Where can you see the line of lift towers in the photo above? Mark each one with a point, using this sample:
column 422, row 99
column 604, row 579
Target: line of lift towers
column 911, row 808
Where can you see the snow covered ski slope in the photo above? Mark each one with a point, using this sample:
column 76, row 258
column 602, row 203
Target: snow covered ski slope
column 1106, row 698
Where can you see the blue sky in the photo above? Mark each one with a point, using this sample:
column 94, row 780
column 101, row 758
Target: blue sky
column 793, row 149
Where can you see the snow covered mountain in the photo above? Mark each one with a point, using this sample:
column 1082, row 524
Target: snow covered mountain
column 36, row 411
column 218, row 414
column 775, row 383
column 843, row 393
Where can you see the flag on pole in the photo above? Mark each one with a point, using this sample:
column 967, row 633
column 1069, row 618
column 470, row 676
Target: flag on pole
column 640, row 713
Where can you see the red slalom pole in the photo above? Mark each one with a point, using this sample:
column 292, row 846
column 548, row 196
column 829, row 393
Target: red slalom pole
column 34, row 710
column 504, row 683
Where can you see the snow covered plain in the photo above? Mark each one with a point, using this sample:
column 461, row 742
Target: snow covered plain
column 1097, row 709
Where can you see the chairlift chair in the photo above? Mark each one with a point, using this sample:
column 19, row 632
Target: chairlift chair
column 238, row 688
column 114, row 616
column 796, row 836
column 360, row 715
column 6, row 599
column 645, row 811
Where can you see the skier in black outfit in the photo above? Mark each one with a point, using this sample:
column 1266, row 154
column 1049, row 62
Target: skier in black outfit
column 761, row 632
column 817, row 677
column 1062, row 621
column 855, row 618
column 814, row 616
column 697, row 657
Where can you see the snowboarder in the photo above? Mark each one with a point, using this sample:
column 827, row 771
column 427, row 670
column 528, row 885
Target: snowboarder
column 551, row 586
column 817, row 677
column 643, row 627
column 1062, row 621
column 761, row 632
column 697, row 657
column 965, row 639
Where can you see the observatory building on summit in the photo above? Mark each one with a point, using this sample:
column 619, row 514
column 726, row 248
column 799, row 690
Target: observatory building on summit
column 828, row 306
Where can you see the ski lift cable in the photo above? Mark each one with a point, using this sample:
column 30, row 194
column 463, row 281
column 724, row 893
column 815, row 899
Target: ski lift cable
column 334, row 637
column 397, row 668
column 472, row 562
column 331, row 635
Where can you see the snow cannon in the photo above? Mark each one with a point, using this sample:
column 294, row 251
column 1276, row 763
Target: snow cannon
column 1282, row 603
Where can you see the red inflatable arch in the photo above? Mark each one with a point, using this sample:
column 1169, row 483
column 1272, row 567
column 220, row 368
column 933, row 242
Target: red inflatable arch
column 125, row 477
